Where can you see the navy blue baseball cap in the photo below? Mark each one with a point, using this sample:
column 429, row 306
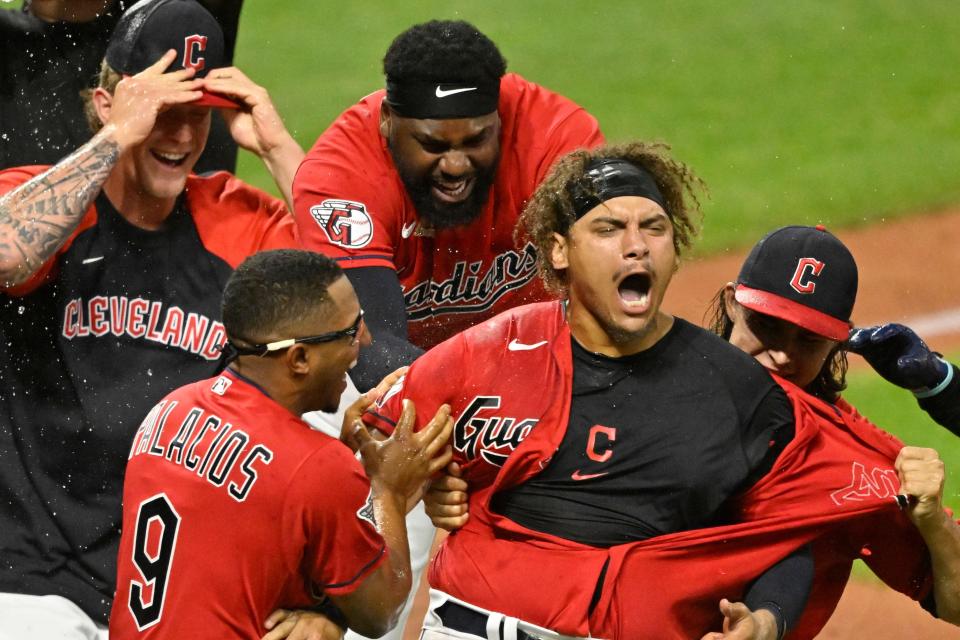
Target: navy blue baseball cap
column 803, row 275
column 150, row 28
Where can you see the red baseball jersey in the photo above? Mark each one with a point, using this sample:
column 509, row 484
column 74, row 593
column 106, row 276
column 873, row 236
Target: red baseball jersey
column 832, row 484
column 351, row 204
column 234, row 507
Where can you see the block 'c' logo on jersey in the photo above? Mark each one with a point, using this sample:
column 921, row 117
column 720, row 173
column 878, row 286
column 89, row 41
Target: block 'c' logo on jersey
column 346, row 223
column 193, row 47
column 803, row 276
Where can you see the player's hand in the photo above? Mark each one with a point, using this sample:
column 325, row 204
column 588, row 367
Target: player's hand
column 404, row 461
column 899, row 356
column 300, row 625
column 922, row 477
column 361, row 404
column 740, row 623
column 446, row 499
column 257, row 127
column 139, row 99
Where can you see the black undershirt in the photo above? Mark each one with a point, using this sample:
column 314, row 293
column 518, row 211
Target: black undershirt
column 676, row 431
column 656, row 443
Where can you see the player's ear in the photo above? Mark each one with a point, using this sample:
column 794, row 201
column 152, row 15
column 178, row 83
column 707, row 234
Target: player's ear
column 386, row 120
column 558, row 252
column 102, row 103
column 730, row 305
column 297, row 359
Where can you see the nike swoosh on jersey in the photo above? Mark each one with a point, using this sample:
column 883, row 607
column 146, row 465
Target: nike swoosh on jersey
column 449, row 92
column 576, row 475
column 519, row 346
column 407, row 230
column 92, row 260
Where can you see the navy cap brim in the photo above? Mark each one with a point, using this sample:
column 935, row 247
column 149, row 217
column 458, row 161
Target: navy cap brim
column 803, row 316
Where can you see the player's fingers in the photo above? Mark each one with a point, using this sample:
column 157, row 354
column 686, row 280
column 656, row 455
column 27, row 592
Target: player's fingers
column 454, row 469
column 160, row 65
column 435, row 427
column 858, row 338
column 437, row 435
column 437, row 463
column 441, row 510
column 450, row 523
column 361, row 437
column 447, row 483
column 276, row 617
column 283, row 629
column 917, row 453
column 408, row 416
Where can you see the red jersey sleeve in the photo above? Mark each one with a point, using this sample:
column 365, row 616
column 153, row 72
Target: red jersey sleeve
column 330, row 505
column 235, row 220
column 432, row 380
column 10, row 179
column 348, row 199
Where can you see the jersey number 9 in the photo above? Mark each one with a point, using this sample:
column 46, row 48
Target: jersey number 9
column 154, row 542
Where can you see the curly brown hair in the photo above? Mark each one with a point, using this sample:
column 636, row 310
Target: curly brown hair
column 550, row 210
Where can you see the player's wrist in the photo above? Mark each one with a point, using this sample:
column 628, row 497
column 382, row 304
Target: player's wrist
column 930, row 391
column 770, row 622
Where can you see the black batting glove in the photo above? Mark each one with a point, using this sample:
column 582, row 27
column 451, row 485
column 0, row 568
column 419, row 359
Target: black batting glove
column 900, row 356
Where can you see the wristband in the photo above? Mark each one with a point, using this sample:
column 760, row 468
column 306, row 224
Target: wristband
column 929, row 393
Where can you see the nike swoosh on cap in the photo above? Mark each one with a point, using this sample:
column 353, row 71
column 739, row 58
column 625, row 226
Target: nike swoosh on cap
column 519, row 346
column 441, row 93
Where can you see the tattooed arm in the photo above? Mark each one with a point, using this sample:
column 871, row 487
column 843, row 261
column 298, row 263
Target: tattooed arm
column 38, row 217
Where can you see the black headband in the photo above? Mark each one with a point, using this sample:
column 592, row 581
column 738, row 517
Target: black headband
column 442, row 100
column 607, row 178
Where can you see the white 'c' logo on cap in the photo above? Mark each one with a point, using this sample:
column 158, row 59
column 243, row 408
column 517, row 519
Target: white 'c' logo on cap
column 807, row 270
column 193, row 47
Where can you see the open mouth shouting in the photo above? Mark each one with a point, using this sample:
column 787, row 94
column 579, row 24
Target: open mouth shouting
column 634, row 291
column 452, row 191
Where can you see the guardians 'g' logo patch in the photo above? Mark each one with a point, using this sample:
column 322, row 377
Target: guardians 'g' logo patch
column 346, row 223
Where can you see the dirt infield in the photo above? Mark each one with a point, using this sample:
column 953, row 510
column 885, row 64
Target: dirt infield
column 910, row 273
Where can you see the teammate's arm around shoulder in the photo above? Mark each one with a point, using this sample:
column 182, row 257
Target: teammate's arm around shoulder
column 397, row 468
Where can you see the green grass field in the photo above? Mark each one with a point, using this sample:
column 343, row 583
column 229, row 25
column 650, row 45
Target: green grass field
column 802, row 112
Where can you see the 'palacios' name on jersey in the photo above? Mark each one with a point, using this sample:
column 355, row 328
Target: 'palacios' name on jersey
column 143, row 319
column 467, row 291
column 215, row 450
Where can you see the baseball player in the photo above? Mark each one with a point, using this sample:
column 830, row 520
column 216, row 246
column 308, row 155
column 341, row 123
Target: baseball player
column 790, row 308
column 50, row 53
column 592, row 426
column 111, row 264
column 233, row 506
column 416, row 191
